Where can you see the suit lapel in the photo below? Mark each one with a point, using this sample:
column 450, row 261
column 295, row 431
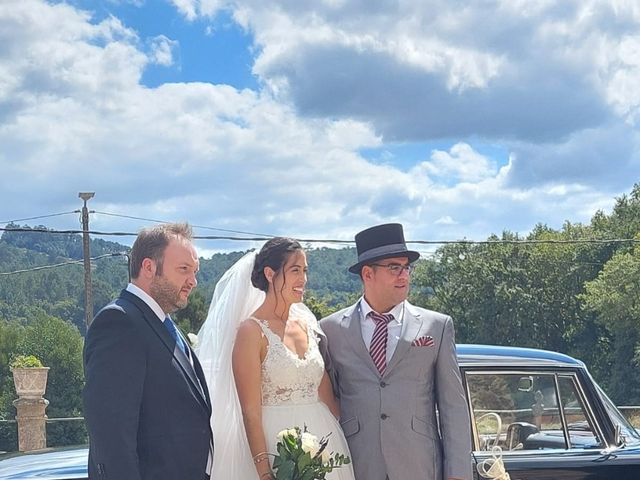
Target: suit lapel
column 165, row 337
column 186, row 366
column 411, row 325
column 201, row 381
column 351, row 321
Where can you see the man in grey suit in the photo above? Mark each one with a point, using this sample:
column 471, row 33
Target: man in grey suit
column 391, row 364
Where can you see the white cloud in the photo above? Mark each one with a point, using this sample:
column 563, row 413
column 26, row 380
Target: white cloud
column 192, row 9
column 446, row 220
column 527, row 74
column 162, row 50
column 74, row 116
column 621, row 90
column 460, row 164
column 212, row 153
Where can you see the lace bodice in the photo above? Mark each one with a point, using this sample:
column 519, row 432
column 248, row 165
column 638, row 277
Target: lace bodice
column 286, row 378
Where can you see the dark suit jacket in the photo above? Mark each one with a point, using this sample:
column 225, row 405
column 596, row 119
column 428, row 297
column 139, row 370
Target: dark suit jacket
column 147, row 410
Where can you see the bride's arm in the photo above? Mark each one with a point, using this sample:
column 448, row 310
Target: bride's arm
column 325, row 393
column 247, row 374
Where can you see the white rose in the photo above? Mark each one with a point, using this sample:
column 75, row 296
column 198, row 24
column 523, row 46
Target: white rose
column 326, row 456
column 310, row 444
column 291, row 432
column 193, row 339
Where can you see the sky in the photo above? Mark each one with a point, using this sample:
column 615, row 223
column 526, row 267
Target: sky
column 317, row 119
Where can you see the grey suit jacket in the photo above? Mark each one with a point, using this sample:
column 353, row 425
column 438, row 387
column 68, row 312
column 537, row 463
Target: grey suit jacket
column 390, row 421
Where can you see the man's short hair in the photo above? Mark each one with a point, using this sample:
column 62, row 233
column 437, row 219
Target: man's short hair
column 152, row 242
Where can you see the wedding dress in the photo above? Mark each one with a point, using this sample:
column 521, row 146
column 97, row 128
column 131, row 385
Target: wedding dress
column 289, row 383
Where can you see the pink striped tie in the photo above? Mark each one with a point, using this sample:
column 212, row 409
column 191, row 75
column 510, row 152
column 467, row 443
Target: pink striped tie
column 378, row 348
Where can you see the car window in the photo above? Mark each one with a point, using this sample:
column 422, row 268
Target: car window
column 581, row 432
column 517, row 411
column 630, row 434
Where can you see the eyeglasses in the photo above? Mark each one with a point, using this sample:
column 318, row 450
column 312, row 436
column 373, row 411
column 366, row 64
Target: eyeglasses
column 395, row 268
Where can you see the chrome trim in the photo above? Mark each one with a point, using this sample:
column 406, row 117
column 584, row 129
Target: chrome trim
column 588, row 409
column 563, row 418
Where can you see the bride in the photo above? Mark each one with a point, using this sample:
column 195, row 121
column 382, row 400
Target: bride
column 259, row 349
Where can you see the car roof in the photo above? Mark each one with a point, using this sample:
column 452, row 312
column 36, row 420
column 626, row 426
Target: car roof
column 495, row 355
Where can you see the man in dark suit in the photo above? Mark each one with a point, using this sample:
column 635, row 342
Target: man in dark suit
column 146, row 403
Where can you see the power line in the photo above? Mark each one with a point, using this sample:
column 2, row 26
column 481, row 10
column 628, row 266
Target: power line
column 526, row 242
column 69, row 262
column 194, row 226
column 133, row 234
column 93, row 232
column 38, row 217
column 598, row 241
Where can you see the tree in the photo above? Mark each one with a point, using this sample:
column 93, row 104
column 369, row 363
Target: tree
column 317, row 306
column 58, row 345
column 615, row 297
column 191, row 318
column 10, row 333
column 624, row 221
column 515, row 293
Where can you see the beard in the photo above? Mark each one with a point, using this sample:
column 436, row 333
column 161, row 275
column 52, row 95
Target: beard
column 167, row 295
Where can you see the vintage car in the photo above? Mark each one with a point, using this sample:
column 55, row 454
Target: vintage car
column 547, row 414
column 543, row 409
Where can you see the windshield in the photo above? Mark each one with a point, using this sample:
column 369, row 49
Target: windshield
column 629, row 433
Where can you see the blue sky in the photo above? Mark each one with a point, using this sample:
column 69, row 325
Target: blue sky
column 318, row 119
column 212, row 50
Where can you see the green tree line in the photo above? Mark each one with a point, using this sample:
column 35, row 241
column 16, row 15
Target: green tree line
column 563, row 293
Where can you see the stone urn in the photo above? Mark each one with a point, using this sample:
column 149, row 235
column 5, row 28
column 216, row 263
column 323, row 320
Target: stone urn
column 30, row 379
column 30, row 382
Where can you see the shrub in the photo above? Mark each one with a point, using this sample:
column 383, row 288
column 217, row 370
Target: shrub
column 25, row 361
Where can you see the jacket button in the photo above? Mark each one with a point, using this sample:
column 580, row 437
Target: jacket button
column 384, row 416
column 383, row 384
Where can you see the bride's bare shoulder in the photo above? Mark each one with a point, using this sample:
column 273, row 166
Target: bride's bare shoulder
column 249, row 337
column 250, row 327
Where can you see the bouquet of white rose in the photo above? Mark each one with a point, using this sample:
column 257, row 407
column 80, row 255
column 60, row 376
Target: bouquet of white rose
column 301, row 456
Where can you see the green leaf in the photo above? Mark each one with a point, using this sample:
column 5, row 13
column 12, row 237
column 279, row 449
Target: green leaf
column 310, row 475
column 286, row 470
column 304, row 461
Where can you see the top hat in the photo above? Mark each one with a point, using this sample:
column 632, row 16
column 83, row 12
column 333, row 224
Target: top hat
column 381, row 241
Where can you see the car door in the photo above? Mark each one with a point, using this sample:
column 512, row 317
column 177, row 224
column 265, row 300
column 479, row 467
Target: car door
column 543, row 424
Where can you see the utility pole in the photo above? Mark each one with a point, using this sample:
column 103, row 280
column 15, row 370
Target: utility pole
column 88, row 298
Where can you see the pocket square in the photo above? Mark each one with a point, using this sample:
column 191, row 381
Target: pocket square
column 426, row 341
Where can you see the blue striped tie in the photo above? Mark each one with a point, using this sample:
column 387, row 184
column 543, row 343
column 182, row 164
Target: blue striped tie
column 173, row 331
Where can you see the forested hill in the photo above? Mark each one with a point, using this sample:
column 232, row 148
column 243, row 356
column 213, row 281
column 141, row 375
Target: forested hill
column 42, row 310
column 56, row 245
column 574, row 290
column 59, row 291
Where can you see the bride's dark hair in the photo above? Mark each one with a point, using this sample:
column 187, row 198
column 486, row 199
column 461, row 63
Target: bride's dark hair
column 273, row 254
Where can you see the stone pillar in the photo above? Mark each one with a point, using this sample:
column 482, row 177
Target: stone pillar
column 31, row 383
column 32, row 433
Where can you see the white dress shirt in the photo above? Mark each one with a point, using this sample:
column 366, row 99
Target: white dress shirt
column 368, row 325
column 153, row 305
column 148, row 299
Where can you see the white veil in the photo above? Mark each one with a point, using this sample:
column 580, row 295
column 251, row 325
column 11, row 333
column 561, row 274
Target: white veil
column 234, row 300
